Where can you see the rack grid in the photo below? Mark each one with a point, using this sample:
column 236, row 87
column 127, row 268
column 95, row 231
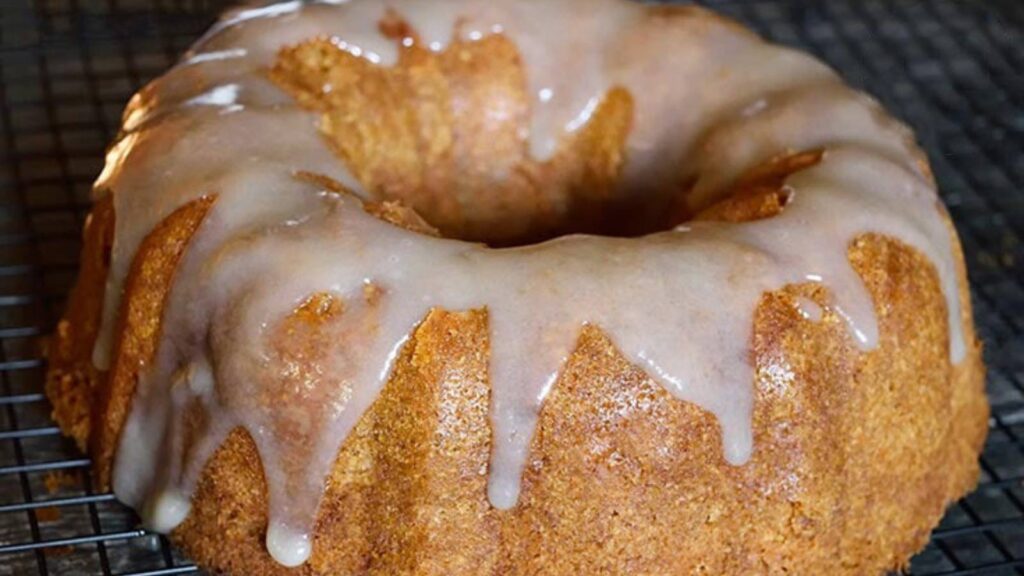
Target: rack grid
column 953, row 69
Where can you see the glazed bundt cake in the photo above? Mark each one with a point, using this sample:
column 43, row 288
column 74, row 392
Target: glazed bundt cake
column 497, row 287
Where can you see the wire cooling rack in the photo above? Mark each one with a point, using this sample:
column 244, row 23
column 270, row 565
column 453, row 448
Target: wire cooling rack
column 953, row 69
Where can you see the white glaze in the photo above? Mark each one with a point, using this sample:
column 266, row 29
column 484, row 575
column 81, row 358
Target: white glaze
column 809, row 309
column 711, row 102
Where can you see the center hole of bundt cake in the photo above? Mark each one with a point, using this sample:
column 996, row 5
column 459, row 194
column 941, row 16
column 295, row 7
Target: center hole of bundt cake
column 760, row 193
column 439, row 139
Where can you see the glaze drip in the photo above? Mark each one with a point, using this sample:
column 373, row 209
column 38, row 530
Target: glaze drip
column 215, row 125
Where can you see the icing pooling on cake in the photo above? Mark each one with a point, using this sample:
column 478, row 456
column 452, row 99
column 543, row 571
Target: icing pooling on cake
column 711, row 102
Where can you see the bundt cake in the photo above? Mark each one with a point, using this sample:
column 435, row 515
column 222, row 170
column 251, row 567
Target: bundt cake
column 519, row 287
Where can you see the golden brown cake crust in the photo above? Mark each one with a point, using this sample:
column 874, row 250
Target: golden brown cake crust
column 72, row 378
column 149, row 282
column 856, row 454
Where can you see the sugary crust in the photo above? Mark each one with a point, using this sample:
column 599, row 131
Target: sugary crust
column 856, row 454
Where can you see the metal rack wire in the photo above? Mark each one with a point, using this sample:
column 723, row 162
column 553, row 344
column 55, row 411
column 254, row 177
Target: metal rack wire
column 953, row 69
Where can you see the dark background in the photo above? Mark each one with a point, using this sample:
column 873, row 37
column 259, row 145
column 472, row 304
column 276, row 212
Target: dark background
column 954, row 70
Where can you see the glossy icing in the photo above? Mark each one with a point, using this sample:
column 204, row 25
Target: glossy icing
column 712, row 101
